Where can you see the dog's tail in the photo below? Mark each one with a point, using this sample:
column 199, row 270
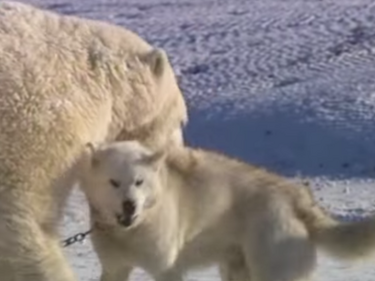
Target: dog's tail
column 349, row 240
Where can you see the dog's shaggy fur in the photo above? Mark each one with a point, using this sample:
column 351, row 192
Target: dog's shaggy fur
column 188, row 208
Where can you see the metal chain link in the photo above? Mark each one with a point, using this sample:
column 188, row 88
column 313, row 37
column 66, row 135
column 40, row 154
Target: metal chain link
column 79, row 237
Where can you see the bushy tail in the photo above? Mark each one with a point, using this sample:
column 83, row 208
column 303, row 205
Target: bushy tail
column 343, row 240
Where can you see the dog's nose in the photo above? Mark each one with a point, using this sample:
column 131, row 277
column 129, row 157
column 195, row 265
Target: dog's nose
column 128, row 207
column 128, row 213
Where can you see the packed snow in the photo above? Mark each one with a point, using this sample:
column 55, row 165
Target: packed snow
column 287, row 84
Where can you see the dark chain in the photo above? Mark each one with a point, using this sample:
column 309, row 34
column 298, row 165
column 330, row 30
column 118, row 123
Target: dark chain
column 79, row 237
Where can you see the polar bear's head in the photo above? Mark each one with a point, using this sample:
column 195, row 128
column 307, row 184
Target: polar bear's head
column 121, row 182
column 147, row 102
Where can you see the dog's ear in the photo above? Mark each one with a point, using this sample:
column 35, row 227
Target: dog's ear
column 91, row 150
column 154, row 159
column 90, row 147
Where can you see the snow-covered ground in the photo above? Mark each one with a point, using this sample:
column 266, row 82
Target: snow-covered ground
column 288, row 84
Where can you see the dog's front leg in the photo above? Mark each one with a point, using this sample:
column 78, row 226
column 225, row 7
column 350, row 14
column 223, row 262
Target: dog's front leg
column 234, row 268
column 171, row 275
column 116, row 273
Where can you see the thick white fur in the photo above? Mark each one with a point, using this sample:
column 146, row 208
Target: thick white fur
column 66, row 81
column 205, row 208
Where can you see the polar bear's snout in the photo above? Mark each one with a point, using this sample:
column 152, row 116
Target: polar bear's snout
column 128, row 215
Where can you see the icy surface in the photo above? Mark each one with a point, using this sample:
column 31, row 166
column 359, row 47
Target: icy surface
column 288, row 84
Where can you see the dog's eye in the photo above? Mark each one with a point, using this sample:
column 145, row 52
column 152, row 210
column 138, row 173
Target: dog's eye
column 114, row 183
column 138, row 182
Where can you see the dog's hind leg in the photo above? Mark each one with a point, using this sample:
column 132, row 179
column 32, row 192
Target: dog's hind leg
column 277, row 246
column 234, row 268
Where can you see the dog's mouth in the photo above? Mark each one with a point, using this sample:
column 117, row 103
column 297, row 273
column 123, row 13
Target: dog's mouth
column 128, row 216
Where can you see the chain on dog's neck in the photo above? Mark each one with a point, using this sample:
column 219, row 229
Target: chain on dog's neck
column 79, row 237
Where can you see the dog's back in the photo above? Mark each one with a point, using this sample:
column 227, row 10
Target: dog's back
column 207, row 169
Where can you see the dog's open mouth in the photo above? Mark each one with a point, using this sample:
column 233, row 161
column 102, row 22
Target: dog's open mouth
column 128, row 213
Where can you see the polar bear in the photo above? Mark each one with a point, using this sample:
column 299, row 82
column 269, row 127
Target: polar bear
column 66, row 81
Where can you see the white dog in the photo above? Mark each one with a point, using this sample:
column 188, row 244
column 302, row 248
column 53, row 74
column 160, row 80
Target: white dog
column 188, row 208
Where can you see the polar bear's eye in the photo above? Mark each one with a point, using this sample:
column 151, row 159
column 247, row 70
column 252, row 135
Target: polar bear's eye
column 114, row 183
column 138, row 182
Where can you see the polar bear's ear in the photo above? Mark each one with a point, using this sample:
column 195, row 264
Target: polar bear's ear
column 98, row 55
column 158, row 61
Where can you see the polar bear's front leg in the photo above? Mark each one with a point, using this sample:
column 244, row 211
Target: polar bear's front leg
column 28, row 253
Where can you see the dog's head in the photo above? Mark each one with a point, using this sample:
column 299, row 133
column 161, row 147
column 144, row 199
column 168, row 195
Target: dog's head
column 121, row 182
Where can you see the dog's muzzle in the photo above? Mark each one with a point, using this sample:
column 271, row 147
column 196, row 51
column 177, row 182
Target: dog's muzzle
column 128, row 213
